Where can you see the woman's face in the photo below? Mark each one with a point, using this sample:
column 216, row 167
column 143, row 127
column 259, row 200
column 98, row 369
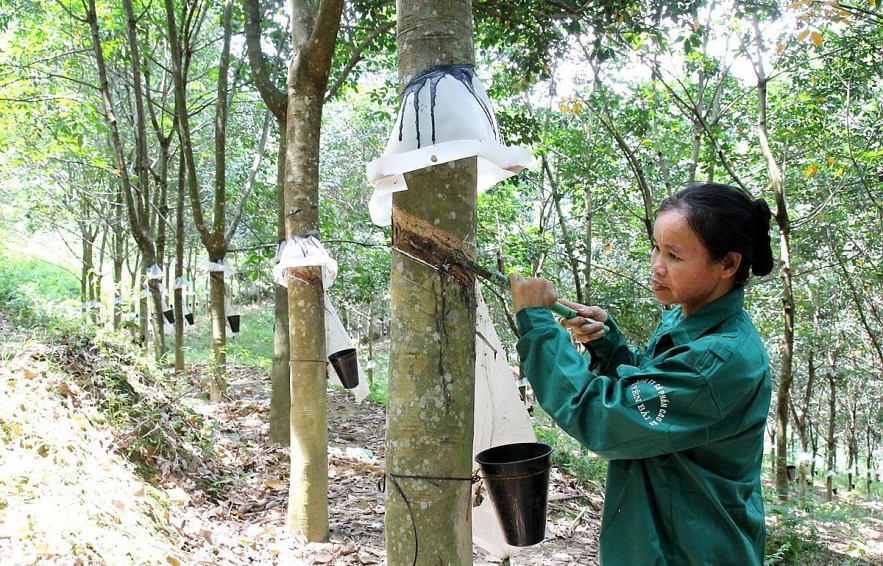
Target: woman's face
column 682, row 269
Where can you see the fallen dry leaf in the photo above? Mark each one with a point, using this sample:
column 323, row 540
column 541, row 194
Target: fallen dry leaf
column 276, row 484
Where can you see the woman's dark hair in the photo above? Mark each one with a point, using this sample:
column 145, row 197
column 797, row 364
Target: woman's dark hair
column 727, row 219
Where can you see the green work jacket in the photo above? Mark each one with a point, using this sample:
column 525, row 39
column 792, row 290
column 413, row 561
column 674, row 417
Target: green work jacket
column 681, row 423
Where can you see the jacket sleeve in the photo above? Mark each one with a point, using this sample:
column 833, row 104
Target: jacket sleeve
column 610, row 352
column 636, row 412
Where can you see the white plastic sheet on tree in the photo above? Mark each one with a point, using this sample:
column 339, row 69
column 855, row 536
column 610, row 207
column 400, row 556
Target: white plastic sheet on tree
column 445, row 115
column 180, row 282
column 304, row 251
column 222, row 265
column 154, row 272
column 337, row 339
column 500, row 418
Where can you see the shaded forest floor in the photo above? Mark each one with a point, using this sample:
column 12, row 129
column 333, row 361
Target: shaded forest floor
column 208, row 488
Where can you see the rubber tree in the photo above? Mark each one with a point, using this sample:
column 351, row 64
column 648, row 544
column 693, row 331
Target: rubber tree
column 178, row 291
column 135, row 188
column 833, row 381
column 432, row 357
column 276, row 99
column 357, row 42
column 777, row 183
column 184, row 23
column 314, row 29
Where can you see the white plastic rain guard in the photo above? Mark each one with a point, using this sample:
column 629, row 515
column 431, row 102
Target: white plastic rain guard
column 154, row 272
column 307, row 250
column 222, row 265
column 500, row 418
column 445, row 115
column 303, row 251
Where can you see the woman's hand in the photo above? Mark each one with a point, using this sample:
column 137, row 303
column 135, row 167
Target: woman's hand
column 531, row 292
column 539, row 292
column 588, row 325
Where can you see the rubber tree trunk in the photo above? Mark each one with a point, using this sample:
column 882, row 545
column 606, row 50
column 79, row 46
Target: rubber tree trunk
column 314, row 33
column 217, row 310
column 830, row 435
column 117, row 239
column 432, row 359
column 143, row 320
column 777, row 181
column 276, row 100
column 88, row 278
column 117, row 279
column 280, row 398
column 179, row 270
column 156, row 308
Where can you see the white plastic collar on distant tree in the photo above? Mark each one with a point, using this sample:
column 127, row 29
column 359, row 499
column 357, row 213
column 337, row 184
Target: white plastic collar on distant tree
column 222, row 265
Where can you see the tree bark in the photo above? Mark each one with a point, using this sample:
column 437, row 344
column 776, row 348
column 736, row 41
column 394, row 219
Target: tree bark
column 90, row 283
column 777, row 181
column 277, row 101
column 831, row 436
column 280, row 397
column 179, row 270
column 314, row 31
column 117, row 238
column 432, row 360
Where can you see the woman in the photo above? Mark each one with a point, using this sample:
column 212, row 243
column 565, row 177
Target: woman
column 681, row 421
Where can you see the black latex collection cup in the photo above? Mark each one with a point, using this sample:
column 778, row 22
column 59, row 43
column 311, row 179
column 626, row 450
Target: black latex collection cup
column 346, row 366
column 517, row 480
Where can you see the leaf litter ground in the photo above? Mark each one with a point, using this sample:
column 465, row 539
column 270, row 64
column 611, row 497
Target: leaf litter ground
column 67, row 496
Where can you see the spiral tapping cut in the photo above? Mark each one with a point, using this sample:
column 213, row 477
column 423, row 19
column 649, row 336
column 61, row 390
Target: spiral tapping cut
column 500, row 280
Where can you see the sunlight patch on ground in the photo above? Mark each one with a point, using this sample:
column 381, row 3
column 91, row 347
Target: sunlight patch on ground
column 46, row 517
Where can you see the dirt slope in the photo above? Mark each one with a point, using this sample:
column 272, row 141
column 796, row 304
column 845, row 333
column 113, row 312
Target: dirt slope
column 68, row 497
column 217, row 490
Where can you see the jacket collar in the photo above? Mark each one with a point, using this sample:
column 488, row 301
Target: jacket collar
column 686, row 329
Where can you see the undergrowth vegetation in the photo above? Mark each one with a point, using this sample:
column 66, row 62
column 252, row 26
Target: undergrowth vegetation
column 568, row 454
column 153, row 429
column 133, row 397
column 38, row 294
column 249, row 346
column 803, row 530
